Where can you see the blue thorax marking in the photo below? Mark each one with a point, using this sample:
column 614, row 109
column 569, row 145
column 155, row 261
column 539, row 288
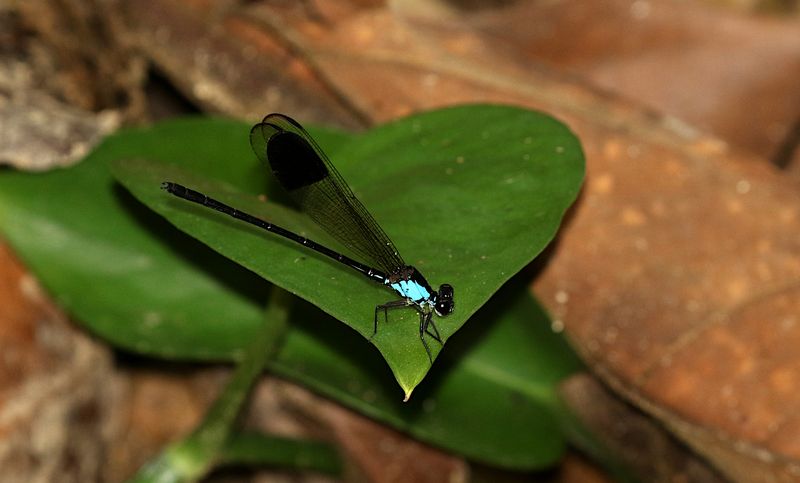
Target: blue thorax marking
column 411, row 285
column 411, row 290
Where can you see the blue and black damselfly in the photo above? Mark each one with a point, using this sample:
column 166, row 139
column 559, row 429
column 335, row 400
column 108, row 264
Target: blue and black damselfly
column 306, row 173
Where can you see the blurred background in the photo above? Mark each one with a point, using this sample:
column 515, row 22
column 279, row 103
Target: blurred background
column 675, row 277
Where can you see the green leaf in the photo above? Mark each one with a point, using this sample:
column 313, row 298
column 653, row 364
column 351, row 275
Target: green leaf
column 122, row 270
column 470, row 195
column 132, row 278
column 275, row 451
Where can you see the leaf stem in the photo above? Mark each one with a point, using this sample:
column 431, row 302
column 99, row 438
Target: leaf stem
column 193, row 457
column 260, row 449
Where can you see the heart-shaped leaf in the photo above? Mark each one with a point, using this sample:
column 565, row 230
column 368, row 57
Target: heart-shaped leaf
column 136, row 281
column 470, row 195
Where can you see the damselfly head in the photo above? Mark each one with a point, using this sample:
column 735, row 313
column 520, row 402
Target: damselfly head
column 444, row 302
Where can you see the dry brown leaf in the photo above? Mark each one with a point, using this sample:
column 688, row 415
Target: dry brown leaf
column 646, row 449
column 54, row 387
column 731, row 75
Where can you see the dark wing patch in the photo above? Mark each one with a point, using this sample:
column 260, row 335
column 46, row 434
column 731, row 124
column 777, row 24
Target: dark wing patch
column 314, row 183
